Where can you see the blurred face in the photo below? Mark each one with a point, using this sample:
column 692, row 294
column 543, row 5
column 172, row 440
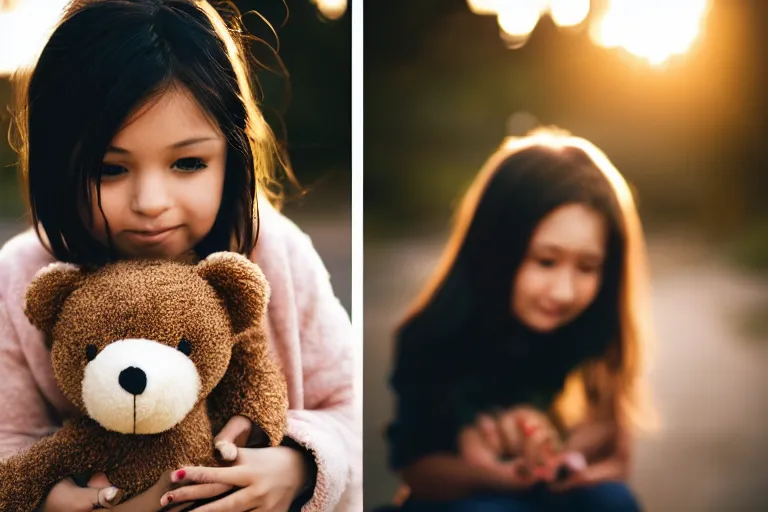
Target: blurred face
column 562, row 270
column 162, row 180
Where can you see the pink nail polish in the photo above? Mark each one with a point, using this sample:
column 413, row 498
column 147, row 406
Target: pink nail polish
column 178, row 475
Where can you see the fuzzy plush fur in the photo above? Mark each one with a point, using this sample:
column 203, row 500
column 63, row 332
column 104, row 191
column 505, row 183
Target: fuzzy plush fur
column 212, row 312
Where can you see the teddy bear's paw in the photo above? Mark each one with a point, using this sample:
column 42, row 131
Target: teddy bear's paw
column 227, row 450
column 110, row 496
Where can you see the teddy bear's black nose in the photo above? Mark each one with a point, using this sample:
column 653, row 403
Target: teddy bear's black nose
column 133, row 380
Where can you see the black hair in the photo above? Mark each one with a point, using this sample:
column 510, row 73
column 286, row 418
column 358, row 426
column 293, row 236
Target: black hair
column 105, row 60
column 468, row 315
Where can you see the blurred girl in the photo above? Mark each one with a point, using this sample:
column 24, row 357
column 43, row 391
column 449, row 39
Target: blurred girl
column 540, row 302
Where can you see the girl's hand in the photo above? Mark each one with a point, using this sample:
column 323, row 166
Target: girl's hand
column 269, row 479
column 609, row 470
column 67, row 496
column 578, row 472
column 529, row 434
column 482, row 445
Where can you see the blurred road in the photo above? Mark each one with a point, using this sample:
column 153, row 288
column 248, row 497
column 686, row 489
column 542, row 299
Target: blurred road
column 710, row 381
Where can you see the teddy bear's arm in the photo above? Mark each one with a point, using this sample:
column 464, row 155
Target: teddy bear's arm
column 253, row 386
column 26, row 478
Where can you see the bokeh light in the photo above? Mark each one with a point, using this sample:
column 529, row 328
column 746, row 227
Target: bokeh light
column 568, row 13
column 25, row 26
column 332, row 9
column 8, row 5
column 651, row 29
column 518, row 18
column 484, row 7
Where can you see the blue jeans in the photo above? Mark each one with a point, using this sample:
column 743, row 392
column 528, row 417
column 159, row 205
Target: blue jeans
column 605, row 497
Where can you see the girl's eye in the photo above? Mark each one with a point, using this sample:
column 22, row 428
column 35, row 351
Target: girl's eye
column 590, row 269
column 547, row 262
column 110, row 171
column 191, row 164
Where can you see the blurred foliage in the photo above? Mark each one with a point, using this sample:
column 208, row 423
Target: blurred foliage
column 750, row 246
column 309, row 108
column 440, row 87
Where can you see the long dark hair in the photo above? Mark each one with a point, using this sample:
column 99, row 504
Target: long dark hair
column 465, row 308
column 105, row 60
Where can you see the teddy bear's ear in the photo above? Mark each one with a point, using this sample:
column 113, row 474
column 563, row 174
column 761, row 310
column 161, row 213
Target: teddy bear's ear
column 241, row 284
column 46, row 294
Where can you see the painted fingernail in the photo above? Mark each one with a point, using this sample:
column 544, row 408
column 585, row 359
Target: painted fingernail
column 179, row 475
column 528, row 429
column 110, row 493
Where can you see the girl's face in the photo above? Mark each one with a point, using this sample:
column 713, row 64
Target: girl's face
column 562, row 270
column 162, row 180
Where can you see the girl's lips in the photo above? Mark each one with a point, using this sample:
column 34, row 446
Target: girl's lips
column 151, row 237
column 554, row 313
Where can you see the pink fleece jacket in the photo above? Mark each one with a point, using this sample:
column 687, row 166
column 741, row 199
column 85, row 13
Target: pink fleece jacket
column 309, row 331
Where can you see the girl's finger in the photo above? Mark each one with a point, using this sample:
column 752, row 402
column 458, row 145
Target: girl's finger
column 521, row 474
column 531, row 439
column 82, row 498
column 489, row 430
column 236, row 431
column 239, row 501
column 511, row 438
column 234, row 476
column 99, row 480
column 193, row 493
column 474, row 449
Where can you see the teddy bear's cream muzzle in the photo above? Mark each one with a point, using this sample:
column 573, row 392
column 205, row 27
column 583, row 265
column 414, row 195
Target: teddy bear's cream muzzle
column 139, row 386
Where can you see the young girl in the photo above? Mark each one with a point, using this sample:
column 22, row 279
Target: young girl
column 140, row 137
column 540, row 302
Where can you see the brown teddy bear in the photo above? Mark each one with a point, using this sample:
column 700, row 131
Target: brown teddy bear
column 156, row 355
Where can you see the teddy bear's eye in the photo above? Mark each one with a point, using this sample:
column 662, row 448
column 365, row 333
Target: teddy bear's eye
column 91, row 351
column 185, row 347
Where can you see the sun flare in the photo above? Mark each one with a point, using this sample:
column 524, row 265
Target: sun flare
column 652, row 29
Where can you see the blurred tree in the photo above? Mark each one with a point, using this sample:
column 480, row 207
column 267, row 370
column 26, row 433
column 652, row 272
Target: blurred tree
column 440, row 87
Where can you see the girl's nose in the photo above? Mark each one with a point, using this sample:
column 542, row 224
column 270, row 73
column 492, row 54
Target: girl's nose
column 563, row 289
column 151, row 196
